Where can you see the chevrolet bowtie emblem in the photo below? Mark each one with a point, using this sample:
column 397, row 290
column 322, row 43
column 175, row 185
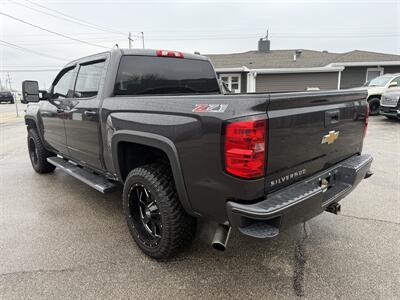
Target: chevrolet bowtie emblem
column 330, row 138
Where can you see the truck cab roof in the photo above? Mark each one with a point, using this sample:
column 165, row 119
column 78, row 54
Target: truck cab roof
column 143, row 52
column 154, row 52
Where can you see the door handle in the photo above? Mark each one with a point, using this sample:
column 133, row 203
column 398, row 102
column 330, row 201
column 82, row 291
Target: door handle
column 89, row 113
column 332, row 117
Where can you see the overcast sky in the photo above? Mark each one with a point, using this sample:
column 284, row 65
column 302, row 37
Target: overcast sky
column 204, row 26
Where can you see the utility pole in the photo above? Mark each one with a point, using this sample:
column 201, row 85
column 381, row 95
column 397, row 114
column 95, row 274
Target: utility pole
column 142, row 39
column 15, row 99
column 130, row 40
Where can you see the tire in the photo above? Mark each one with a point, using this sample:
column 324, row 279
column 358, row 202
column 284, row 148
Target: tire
column 155, row 217
column 38, row 154
column 374, row 104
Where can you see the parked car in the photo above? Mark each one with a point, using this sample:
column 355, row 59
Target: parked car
column 157, row 122
column 6, row 96
column 376, row 87
column 390, row 104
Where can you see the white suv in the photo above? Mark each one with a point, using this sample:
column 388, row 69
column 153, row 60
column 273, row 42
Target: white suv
column 378, row 86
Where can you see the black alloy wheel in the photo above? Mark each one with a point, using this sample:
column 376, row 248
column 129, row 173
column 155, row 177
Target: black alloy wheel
column 155, row 216
column 38, row 154
column 33, row 154
column 145, row 214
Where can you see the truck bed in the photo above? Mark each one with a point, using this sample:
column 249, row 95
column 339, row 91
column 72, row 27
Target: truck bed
column 297, row 123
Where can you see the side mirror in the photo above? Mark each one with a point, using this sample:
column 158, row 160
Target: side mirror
column 393, row 84
column 30, row 91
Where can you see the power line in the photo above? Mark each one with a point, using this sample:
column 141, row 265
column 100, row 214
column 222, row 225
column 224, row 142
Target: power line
column 81, row 33
column 213, row 37
column 288, row 36
column 29, row 66
column 57, row 41
column 252, row 38
column 60, row 16
column 280, row 34
column 28, row 70
column 133, row 39
column 88, row 36
column 260, row 32
column 53, row 32
column 386, row 34
column 77, row 20
column 30, row 51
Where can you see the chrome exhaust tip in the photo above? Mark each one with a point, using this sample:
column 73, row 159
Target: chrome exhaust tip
column 221, row 237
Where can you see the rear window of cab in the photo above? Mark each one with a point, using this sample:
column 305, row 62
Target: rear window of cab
column 143, row 75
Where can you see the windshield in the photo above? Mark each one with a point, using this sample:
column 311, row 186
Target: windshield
column 379, row 81
column 139, row 75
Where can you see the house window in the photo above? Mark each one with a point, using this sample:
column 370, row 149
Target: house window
column 232, row 81
column 373, row 73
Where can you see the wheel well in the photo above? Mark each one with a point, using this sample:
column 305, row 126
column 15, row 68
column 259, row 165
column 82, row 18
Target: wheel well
column 374, row 96
column 30, row 124
column 132, row 155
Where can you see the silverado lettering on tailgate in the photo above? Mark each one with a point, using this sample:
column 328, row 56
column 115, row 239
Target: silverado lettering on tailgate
column 287, row 177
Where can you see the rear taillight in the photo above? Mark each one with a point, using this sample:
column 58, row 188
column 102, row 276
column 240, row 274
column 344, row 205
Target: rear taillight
column 366, row 119
column 169, row 53
column 245, row 148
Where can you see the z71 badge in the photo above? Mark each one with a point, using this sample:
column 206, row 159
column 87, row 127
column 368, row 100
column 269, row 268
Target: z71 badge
column 213, row 108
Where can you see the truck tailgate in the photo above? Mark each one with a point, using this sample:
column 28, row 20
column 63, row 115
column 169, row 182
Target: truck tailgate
column 309, row 132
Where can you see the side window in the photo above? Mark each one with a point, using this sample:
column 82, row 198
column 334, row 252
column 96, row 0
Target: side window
column 373, row 73
column 63, row 86
column 88, row 80
column 397, row 79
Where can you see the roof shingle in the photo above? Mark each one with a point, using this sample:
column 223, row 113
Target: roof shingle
column 276, row 59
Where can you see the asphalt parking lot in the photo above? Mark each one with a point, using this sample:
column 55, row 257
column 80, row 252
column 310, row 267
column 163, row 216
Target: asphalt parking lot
column 8, row 112
column 61, row 239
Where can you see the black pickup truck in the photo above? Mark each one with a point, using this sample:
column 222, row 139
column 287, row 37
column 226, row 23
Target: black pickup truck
column 158, row 123
column 6, row 96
